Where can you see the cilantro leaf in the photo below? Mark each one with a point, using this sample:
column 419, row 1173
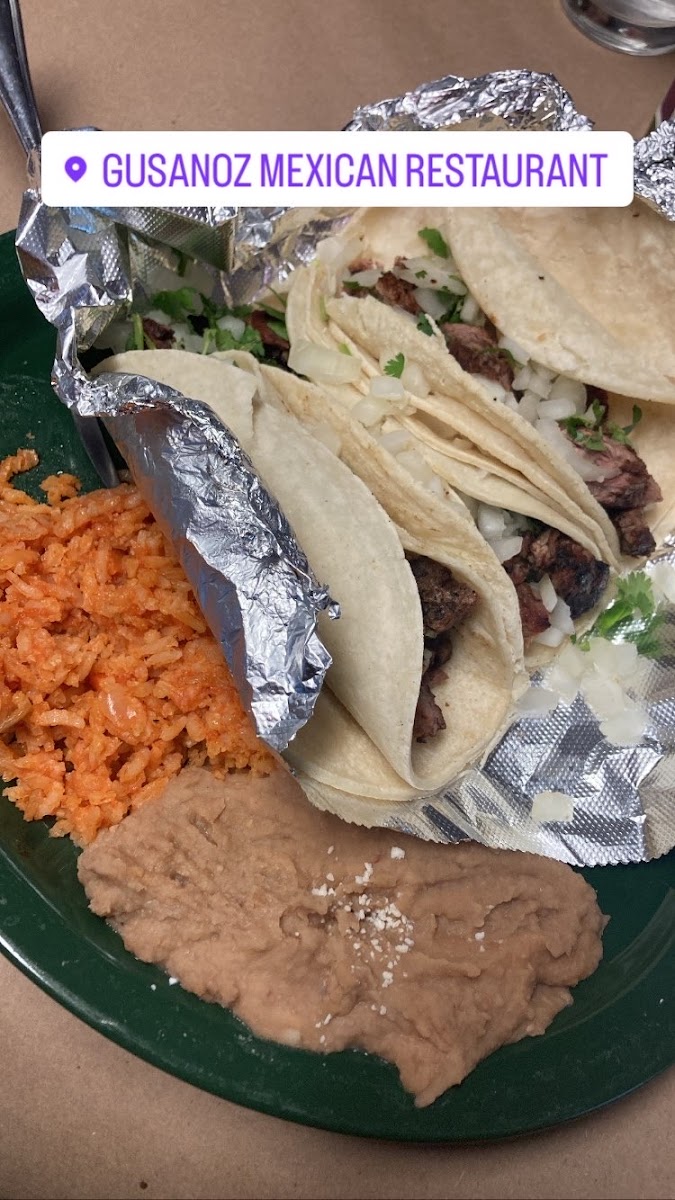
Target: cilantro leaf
column 454, row 304
column 424, row 325
column 136, row 339
column 621, row 433
column 278, row 327
column 178, row 304
column 395, row 366
column 632, row 616
column 435, row 241
column 420, row 274
column 250, row 340
column 353, row 287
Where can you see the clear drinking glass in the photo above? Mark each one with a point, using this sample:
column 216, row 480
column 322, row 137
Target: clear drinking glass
column 632, row 26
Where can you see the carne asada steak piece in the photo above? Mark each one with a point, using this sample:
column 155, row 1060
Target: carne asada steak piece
column 161, row 336
column 578, row 578
column 259, row 321
column 397, row 292
column 627, row 483
column 446, row 602
column 635, row 536
column 477, row 352
column 429, row 719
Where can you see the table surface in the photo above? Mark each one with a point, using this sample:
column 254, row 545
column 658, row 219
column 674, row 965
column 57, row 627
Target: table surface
column 110, row 1125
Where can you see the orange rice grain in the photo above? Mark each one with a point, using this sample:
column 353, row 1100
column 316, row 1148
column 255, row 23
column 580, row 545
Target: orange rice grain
column 110, row 680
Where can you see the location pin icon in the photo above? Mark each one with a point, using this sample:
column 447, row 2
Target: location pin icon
column 75, row 167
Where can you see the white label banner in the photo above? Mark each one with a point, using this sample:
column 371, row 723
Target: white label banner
column 393, row 169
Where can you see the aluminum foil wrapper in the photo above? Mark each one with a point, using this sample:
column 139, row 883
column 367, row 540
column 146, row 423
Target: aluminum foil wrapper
column 87, row 267
column 624, row 797
column 654, row 169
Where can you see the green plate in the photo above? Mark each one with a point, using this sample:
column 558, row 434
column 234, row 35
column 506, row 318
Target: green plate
column 618, row 1034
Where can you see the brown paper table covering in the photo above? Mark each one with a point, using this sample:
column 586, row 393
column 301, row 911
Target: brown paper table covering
column 79, row 1117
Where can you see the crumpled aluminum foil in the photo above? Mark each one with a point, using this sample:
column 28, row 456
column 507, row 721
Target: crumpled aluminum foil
column 86, row 267
column 624, row 797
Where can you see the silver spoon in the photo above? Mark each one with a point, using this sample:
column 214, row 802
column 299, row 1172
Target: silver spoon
column 18, row 99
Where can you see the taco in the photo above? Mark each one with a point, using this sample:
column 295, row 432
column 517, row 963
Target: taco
column 547, row 464
column 427, row 653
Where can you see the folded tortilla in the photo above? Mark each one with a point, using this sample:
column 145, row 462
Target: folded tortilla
column 360, row 739
column 478, row 445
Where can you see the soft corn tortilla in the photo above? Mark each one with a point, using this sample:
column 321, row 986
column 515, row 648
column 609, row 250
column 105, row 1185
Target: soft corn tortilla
column 587, row 292
column 457, row 400
column 353, row 546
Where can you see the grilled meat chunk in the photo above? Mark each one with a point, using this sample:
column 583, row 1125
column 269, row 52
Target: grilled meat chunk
column 635, row 536
column 161, row 336
column 627, row 482
column 578, row 578
column 429, row 719
column 446, row 602
column 397, row 292
column 477, row 352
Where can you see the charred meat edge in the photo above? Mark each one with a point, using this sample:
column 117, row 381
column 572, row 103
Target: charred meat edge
column 446, row 602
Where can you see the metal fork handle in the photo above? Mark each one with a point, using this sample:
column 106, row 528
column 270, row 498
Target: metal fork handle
column 16, row 89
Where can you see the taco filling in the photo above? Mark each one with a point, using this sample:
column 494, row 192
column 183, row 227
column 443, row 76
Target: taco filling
column 573, row 418
column 445, row 602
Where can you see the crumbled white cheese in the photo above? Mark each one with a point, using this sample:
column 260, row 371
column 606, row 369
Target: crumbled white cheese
column 397, row 852
column 479, row 936
column 367, row 874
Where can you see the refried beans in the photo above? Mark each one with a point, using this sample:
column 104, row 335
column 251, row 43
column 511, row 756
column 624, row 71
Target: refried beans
column 325, row 935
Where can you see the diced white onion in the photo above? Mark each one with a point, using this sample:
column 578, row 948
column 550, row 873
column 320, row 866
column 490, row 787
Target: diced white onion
column 564, row 388
column 552, row 806
column 573, row 661
column 613, row 660
column 416, row 466
column 386, row 387
column 370, row 410
column 329, row 437
column 521, row 379
column 323, row 365
column 507, row 547
column 529, row 406
column 367, row 278
column 557, row 410
column 539, row 383
column 414, row 380
column 549, row 596
column 521, row 356
column 491, row 521
column 454, row 285
column 470, row 310
column 605, row 697
column 625, row 729
column 663, row 582
column 550, row 637
column 431, row 302
column 191, row 341
column 553, row 434
column 561, row 681
column 395, row 440
column 537, row 701
column 561, row 617
column 234, row 325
